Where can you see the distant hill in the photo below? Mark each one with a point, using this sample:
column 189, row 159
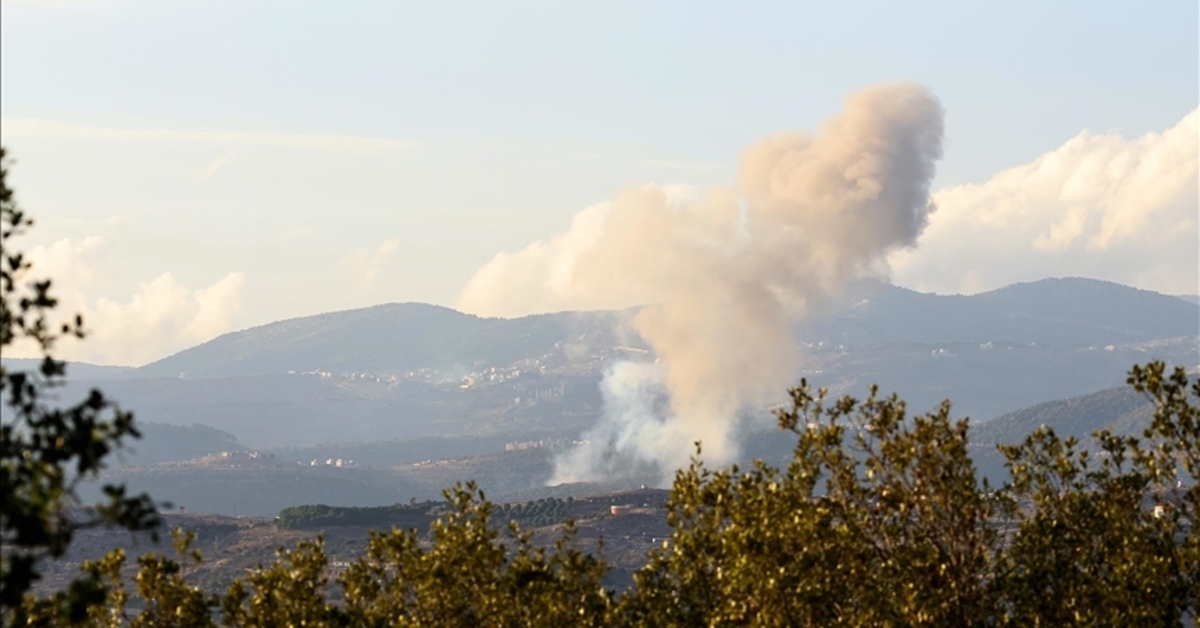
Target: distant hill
column 386, row 338
column 406, row 372
column 987, row 380
column 302, row 410
column 1122, row 409
column 1056, row 312
column 1190, row 298
column 75, row 370
column 410, row 336
column 162, row 442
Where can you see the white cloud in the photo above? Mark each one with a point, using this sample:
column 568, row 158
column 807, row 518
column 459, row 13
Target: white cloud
column 161, row 317
column 1100, row 205
column 214, row 167
column 364, row 264
column 35, row 127
column 164, row 316
column 62, row 261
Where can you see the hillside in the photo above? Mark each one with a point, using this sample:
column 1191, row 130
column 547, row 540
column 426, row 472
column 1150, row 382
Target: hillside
column 162, row 442
column 1121, row 409
column 1053, row 312
column 392, row 338
column 75, row 370
column 302, row 410
column 409, row 336
column 415, row 375
column 232, row 545
column 986, row 380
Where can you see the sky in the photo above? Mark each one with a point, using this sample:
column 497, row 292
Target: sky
column 201, row 167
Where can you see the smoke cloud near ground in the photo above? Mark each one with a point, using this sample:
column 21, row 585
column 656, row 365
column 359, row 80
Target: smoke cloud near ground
column 723, row 275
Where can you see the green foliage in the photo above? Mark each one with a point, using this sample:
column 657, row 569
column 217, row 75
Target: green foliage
column 291, row 592
column 1110, row 534
column 462, row 575
column 45, row 452
column 404, row 516
column 466, row 578
column 879, row 519
column 876, row 521
column 534, row 514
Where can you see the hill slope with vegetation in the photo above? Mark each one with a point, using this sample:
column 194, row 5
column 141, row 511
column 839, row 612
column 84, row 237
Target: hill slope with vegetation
column 401, row 337
column 1051, row 312
column 1122, row 410
column 391, row 338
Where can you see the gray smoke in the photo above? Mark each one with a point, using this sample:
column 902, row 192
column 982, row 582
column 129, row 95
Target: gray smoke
column 725, row 274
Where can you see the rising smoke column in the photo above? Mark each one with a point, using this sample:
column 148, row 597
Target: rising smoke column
column 723, row 276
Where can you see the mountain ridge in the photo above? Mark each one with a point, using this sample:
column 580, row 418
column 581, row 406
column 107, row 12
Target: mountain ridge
column 408, row 336
column 418, row 335
column 1054, row 311
column 1121, row 409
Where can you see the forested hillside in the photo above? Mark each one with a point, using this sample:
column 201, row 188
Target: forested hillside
column 1121, row 409
column 392, row 338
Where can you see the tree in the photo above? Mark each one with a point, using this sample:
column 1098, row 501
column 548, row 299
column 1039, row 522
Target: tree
column 466, row 578
column 879, row 519
column 45, row 451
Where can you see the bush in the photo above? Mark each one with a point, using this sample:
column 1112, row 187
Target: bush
column 879, row 519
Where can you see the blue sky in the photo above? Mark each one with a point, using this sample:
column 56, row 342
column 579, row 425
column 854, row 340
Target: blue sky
column 173, row 134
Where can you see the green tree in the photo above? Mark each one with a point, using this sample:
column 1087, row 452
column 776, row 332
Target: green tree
column 466, row 577
column 46, row 451
column 877, row 520
column 1108, row 538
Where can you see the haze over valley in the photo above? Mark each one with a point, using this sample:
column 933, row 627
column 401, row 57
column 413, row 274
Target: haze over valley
column 394, row 402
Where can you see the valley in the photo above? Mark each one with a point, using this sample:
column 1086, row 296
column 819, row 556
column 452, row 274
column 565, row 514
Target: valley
column 397, row 402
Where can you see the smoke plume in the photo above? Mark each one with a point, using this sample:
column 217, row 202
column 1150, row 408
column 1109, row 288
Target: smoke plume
column 723, row 275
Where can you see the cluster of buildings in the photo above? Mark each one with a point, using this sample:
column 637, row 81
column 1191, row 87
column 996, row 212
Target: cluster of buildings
column 563, row 359
column 241, row 454
column 545, row 442
column 372, row 377
column 431, row 375
column 492, row 375
column 329, row 462
column 537, row 394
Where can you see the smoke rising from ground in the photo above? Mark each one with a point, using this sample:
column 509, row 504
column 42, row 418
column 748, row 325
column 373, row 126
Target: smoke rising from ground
column 724, row 274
